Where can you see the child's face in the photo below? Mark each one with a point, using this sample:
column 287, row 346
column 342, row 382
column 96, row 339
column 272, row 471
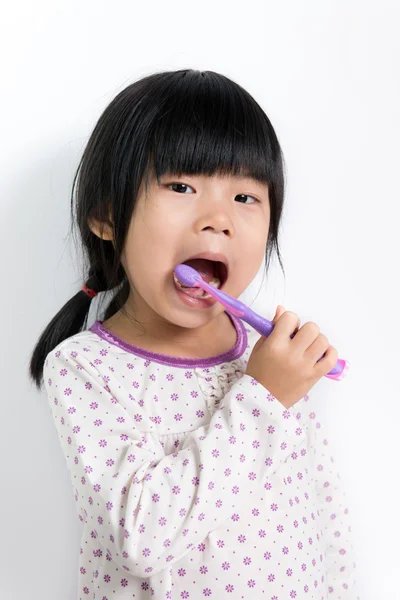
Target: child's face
column 169, row 226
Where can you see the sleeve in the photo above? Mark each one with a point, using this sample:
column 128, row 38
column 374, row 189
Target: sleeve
column 148, row 509
column 334, row 516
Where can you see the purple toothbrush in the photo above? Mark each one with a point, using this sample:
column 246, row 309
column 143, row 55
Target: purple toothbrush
column 191, row 278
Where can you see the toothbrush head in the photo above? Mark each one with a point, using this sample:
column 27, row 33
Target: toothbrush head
column 188, row 276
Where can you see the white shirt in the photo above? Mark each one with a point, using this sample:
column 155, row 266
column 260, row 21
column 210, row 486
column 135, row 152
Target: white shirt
column 192, row 480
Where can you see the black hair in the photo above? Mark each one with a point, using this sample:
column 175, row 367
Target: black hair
column 184, row 122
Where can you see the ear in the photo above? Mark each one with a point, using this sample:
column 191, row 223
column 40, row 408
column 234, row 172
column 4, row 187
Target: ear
column 102, row 230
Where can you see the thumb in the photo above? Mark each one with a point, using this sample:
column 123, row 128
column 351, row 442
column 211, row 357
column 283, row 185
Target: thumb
column 279, row 311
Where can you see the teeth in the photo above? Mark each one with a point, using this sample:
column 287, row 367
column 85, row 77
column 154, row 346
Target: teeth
column 215, row 282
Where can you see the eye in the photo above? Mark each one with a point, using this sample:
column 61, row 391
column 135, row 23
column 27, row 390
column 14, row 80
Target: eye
column 248, row 196
column 179, row 185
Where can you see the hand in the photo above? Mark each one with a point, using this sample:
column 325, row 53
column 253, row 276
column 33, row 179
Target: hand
column 289, row 368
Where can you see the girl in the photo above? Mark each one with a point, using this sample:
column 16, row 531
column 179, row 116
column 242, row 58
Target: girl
column 193, row 476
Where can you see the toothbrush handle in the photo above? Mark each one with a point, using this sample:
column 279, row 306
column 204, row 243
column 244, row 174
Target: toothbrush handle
column 265, row 327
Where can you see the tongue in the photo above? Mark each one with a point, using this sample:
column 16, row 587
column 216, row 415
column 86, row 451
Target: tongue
column 202, row 266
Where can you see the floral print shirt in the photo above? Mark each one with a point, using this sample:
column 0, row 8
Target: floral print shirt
column 192, row 480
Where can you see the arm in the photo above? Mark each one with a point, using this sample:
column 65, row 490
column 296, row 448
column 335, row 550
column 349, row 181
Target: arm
column 149, row 509
column 334, row 515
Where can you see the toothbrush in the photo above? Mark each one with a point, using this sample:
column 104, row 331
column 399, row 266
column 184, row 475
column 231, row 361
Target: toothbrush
column 191, row 278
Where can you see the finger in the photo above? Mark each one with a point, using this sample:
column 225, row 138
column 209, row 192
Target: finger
column 285, row 325
column 317, row 348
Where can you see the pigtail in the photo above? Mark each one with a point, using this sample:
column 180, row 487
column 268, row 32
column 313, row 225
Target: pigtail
column 72, row 318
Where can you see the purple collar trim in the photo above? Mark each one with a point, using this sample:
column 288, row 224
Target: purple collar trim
column 235, row 352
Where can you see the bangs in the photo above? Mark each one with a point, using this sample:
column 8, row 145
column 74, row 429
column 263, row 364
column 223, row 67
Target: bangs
column 209, row 125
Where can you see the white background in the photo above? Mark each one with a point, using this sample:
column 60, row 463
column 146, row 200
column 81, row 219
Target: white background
column 328, row 76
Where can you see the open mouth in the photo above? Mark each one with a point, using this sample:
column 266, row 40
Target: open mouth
column 215, row 273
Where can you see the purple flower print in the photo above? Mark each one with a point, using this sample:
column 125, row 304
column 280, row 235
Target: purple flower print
column 262, row 533
column 247, row 560
column 207, row 592
column 229, row 588
column 251, row 583
column 203, row 569
column 226, row 566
